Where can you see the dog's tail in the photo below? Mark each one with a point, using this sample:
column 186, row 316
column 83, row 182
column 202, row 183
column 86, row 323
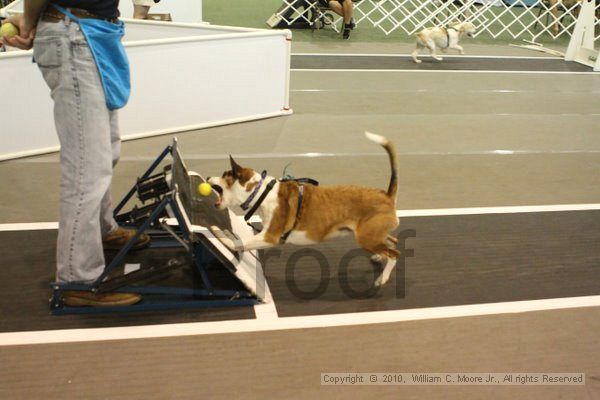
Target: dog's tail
column 391, row 150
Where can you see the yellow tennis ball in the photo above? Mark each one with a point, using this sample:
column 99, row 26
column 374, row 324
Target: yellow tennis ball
column 8, row 30
column 204, row 189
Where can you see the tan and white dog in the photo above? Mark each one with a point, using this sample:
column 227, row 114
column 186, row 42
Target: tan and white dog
column 324, row 212
column 442, row 38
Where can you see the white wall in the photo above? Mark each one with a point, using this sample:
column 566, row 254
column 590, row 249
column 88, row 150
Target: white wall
column 147, row 30
column 219, row 76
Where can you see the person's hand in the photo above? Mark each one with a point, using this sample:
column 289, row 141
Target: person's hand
column 24, row 40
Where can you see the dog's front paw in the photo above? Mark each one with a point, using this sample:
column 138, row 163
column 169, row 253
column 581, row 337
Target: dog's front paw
column 417, row 61
column 219, row 234
column 461, row 52
column 439, row 58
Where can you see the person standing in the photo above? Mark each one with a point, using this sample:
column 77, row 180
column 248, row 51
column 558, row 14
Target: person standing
column 73, row 42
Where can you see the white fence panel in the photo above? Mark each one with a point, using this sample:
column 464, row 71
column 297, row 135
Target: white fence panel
column 514, row 19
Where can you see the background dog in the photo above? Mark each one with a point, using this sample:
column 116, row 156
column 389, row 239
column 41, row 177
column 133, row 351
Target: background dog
column 442, row 38
column 323, row 213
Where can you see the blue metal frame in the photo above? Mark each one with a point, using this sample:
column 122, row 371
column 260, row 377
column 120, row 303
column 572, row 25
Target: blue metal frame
column 151, row 169
column 189, row 298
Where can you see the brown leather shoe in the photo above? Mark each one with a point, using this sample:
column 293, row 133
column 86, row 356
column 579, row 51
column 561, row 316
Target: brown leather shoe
column 75, row 298
column 117, row 239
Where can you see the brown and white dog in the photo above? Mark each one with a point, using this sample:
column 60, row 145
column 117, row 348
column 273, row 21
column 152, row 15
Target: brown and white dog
column 442, row 38
column 325, row 212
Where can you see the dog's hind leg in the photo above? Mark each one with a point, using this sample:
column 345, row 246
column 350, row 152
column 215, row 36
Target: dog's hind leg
column 418, row 47
column 372, row 235
column 430, row 44
column 391, row 242
column 387, row 271
column 416, row 53
column 392, row 239
column 377, row 259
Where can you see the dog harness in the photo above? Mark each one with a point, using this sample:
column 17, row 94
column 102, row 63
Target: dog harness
column 300, row 181
column 448, row 35
column 298, row 208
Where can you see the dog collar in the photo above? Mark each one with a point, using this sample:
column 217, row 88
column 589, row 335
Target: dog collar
column 246, row 204
column 262, row 197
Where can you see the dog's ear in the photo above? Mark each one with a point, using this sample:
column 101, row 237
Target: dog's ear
column 235, row 167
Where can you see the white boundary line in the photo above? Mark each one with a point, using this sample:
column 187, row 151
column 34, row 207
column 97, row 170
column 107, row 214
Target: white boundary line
column 464, row 71
column 28, row 226
column 496, row 210
column 53, row 158
column 483, row 210
column 409, row 55
column 286, row 323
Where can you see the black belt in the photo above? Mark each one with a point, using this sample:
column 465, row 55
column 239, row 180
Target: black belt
column 53, row 15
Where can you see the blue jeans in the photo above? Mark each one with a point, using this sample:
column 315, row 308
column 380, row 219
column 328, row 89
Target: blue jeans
column 89, row 148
